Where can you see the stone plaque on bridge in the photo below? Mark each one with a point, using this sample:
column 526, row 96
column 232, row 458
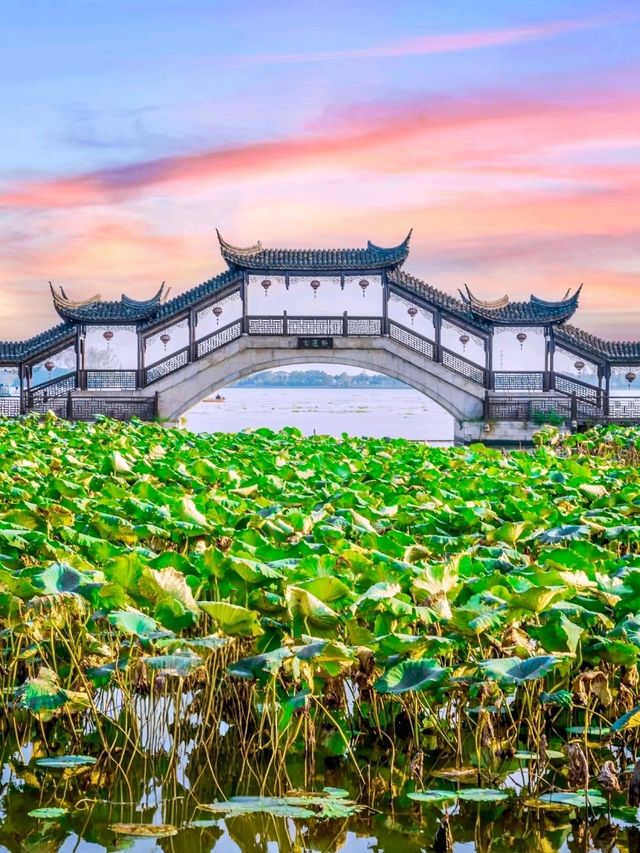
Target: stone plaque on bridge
column 315, row 343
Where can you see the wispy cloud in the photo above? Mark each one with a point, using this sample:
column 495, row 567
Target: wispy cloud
column 502, row 135
column 450, row 42
column 488, row 184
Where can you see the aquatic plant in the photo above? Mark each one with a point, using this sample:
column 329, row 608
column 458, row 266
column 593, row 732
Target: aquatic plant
column 319, row 596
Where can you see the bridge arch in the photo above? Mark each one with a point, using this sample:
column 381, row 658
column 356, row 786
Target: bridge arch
column 179, row 392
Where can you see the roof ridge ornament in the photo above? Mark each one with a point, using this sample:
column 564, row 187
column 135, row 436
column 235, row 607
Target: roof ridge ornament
column 403, row 245
column 567, row 299
column 236, row 250
column 63, row 300
column 159, row 297
column 487, row 304
column 97, row 310
column 262, row 260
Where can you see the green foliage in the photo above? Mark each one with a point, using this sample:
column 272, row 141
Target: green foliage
column 314, row 570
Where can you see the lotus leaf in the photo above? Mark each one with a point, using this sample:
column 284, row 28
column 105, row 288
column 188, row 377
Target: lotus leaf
column 412, row 675
column 232, row 619
column 516, row 671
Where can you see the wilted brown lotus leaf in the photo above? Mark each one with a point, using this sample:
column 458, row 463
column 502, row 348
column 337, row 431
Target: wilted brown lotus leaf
column 608, row 778
column 514, row 637
column 634, row 786
column 595, row 683
column 578, row 766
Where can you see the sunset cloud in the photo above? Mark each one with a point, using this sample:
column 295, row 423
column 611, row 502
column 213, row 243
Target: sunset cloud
column 449, row 42
column 518, row 169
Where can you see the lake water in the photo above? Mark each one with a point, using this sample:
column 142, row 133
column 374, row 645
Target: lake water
column 397, row 413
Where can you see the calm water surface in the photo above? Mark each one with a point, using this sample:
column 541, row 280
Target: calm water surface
column 369, row 412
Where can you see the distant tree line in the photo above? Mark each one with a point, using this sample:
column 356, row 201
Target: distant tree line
column 317, row 379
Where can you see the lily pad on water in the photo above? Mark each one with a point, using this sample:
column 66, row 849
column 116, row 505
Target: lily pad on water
column 482, row 795
column 65, row 762
column 330, row 803
column 276, row 806
column 592, row 731
column 574, row 799
column 144, row 830
column 456, row 772
column 48, row 813
column 434, row 796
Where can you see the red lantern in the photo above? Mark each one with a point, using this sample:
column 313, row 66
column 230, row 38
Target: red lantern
column 412, row 312
column 464, row 340
column 217, row 311
column 108, row 336
column 49, row 365
column 266, row 284
column 364, row 284
column 630, row 376
column 579, row 366
column 165, row 338
column 522, row 338
column 315, row 284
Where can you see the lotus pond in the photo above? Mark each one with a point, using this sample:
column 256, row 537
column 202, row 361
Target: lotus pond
column 261, row 641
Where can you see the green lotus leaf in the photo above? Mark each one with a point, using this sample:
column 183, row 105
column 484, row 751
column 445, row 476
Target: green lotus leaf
column 48, row 812
column 134, row 623
column 176, row 664
column 412, row 675
column 564, row 533
column 253, row 667
column 232, row 619
column 308, row 612
column 574, row 799
column 516, row 671
column 592, row 731
column 276, row 806
column 434, row 796
column 60, row 577
column 65, row 762
column 482, row 795
column 41, row 693
column 537, row 598
column 630, row 720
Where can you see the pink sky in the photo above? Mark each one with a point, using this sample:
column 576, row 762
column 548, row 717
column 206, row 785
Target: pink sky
column 511, row 187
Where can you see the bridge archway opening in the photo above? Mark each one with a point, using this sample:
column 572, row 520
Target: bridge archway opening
column 323, row 397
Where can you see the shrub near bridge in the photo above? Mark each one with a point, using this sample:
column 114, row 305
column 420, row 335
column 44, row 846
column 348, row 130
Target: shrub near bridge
column 320, row 593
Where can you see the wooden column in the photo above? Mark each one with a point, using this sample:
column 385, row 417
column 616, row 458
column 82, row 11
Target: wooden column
column 607, row 389
column 552, row 350
column 243, row 296
column 21, row 372
column 385, row 305
column 437, row 325
column 79, row 359
column 488, row 361
column 192, row 334
column 141, row 349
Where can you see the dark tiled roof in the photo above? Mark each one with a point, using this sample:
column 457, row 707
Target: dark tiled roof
column 535, row 311
column 14, row 352
column 439, row 298
column 613, row 351
column 96, row 310
column 179, row 304
column 334, row 260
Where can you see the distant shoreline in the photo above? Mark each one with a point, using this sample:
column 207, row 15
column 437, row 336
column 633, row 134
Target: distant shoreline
column 318, row 379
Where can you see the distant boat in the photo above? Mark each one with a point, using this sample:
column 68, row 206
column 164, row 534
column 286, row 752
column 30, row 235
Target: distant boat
column 217, row 399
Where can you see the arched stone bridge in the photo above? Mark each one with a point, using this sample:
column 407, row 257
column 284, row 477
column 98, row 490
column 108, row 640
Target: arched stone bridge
column 489, row 364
